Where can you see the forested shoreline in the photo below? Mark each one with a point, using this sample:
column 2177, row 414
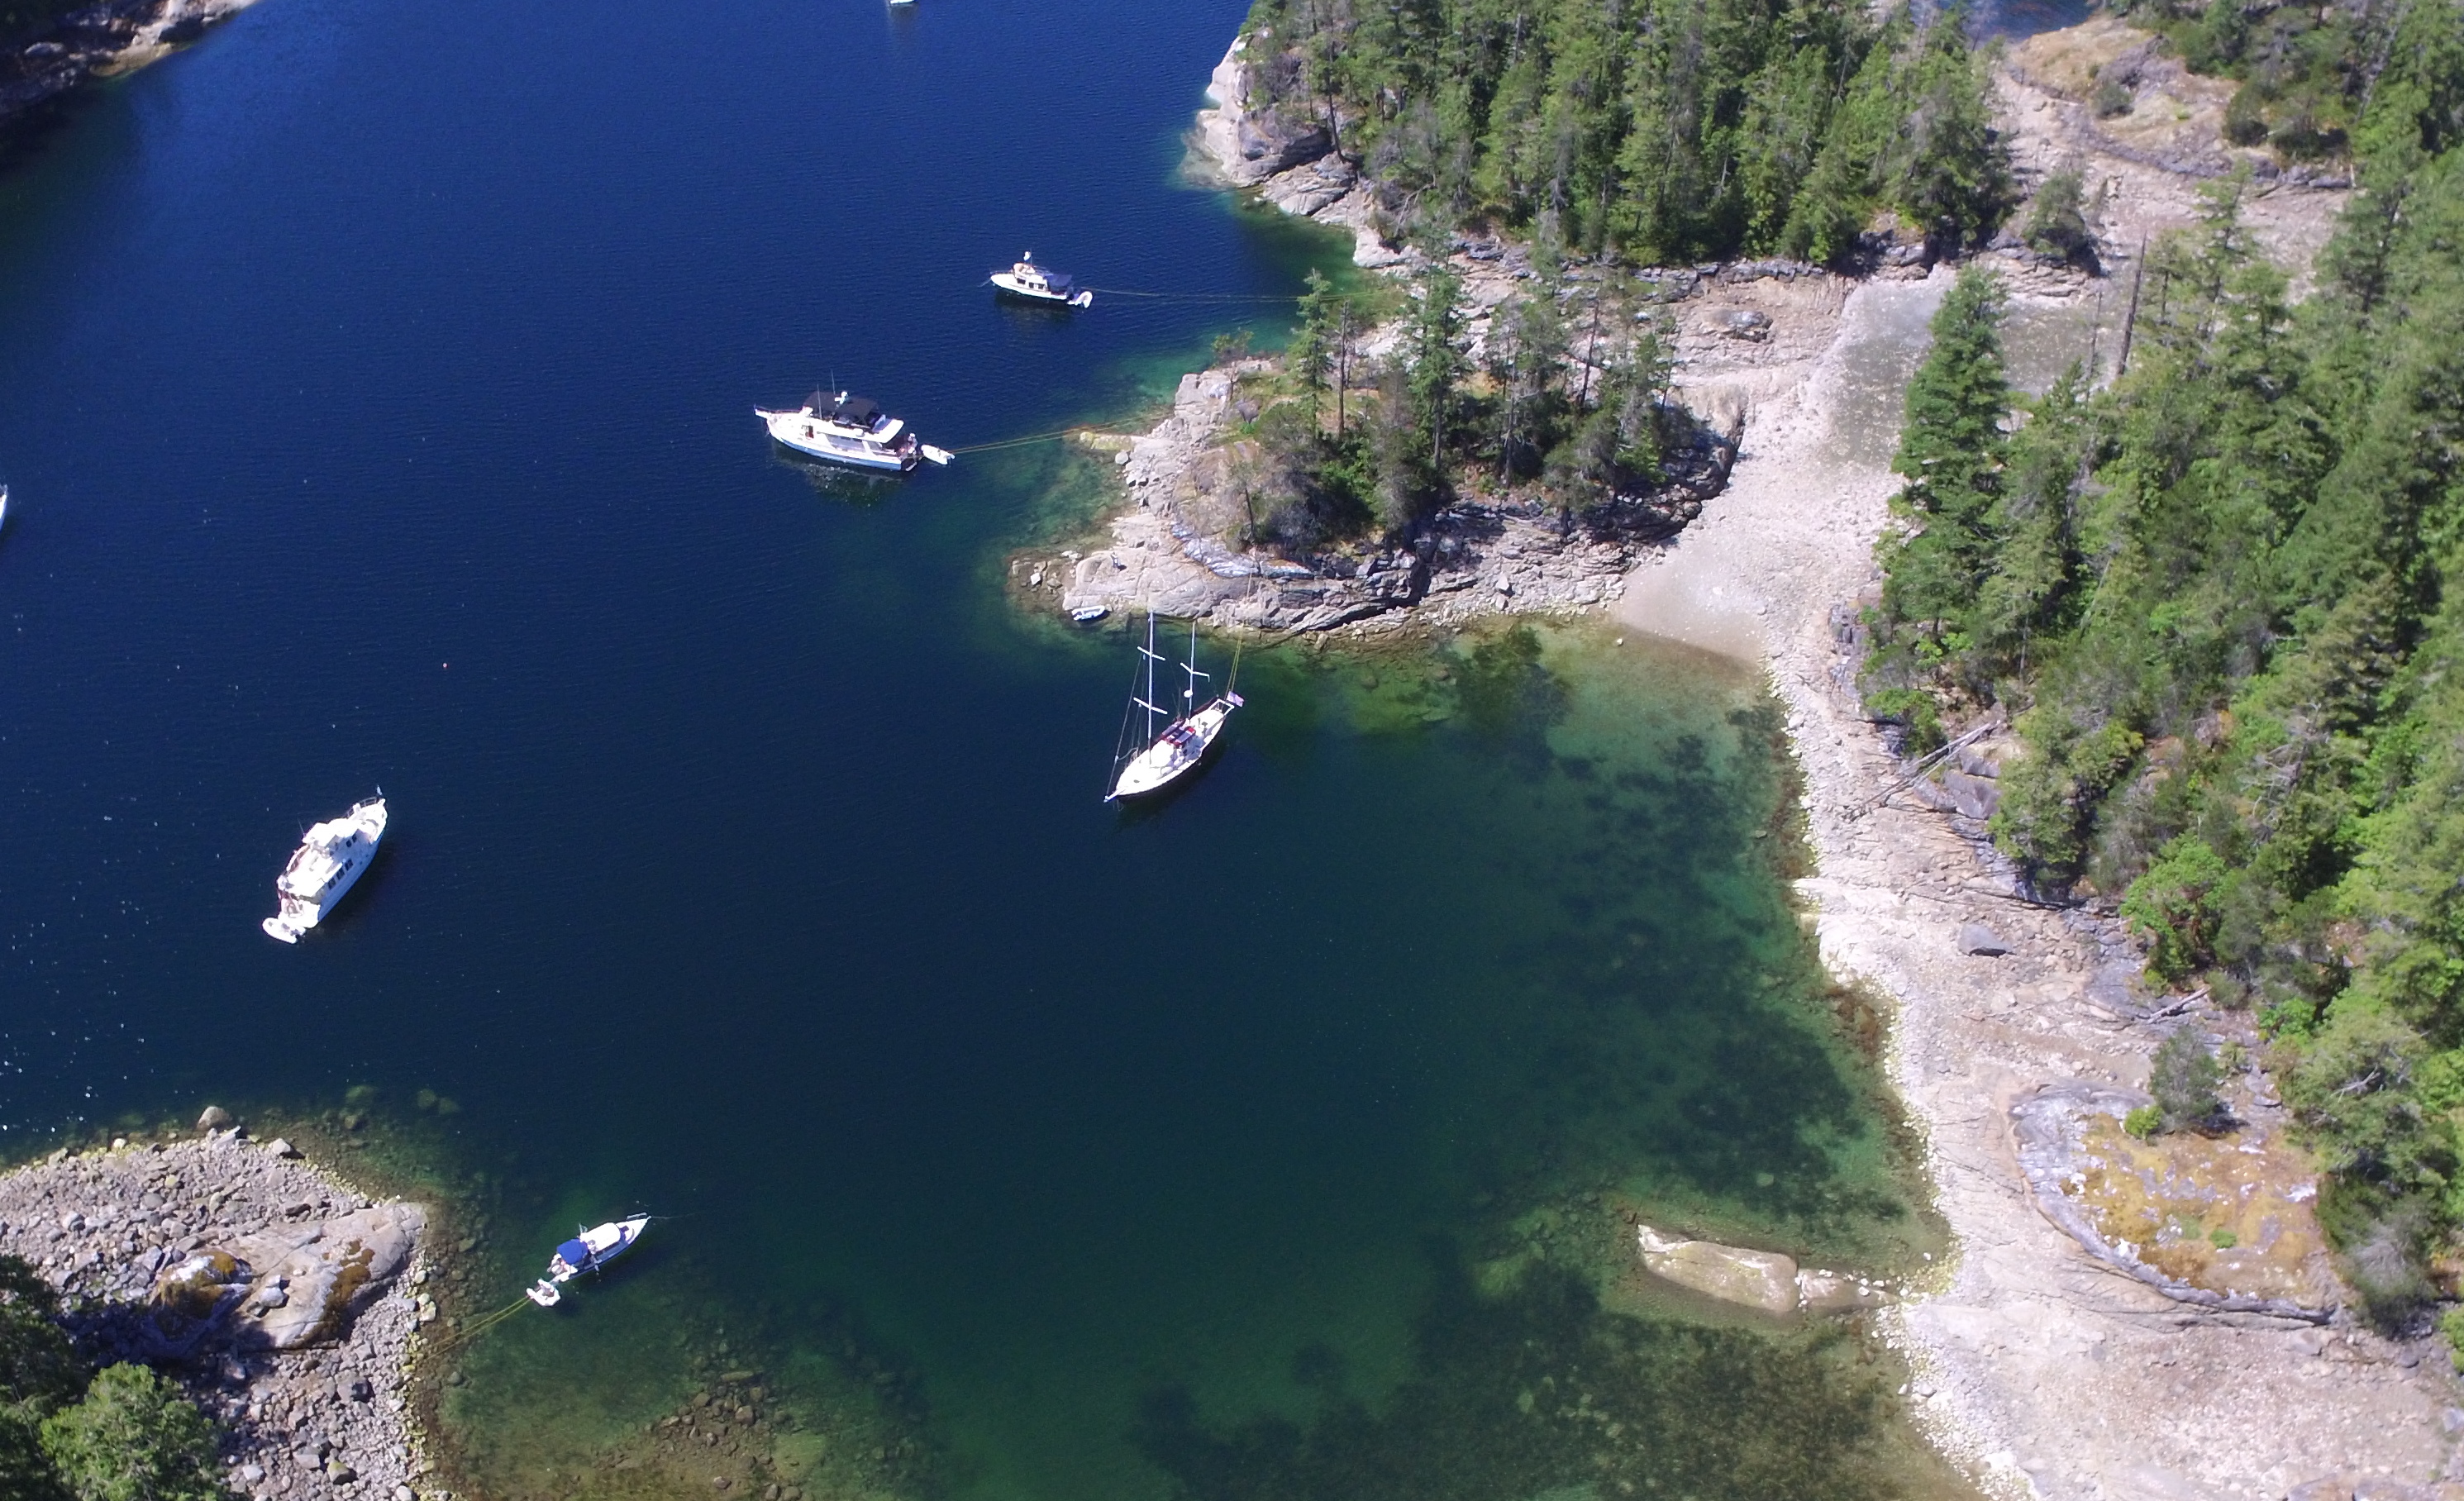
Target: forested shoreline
column 2212, row 592
column 1662, row 132
column 1603, row 136
column 2218, row 596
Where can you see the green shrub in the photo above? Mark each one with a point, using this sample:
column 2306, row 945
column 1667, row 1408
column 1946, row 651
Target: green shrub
column 2144, row 1122
column 2382, row 1245
column 1912, row 708
column 2110, row 98
column 26, row 1473
column 2183, row 1080
column 2450, row 1324
column 2058, row 225
column 39, row 1371
column 2172, row 908
column 2223, row 1240
column 2246, row 116
column 134, row 1438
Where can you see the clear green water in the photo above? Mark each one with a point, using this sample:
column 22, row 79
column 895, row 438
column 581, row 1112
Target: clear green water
column 375, row 388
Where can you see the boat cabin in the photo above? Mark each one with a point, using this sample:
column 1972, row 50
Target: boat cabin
column 860, row 412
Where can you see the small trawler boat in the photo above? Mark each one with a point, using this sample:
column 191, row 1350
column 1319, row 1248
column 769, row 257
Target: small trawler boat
column 1034, row 283
column 333, row 854
column 587, row 1251
column 1160, row 760
column 4, row 505
column 850, row 430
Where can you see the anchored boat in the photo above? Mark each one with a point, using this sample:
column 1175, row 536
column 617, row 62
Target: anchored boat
column 850, row 430
column 587, row 1251
column 333, row 855
column 1160, row 760
column 1030, row 283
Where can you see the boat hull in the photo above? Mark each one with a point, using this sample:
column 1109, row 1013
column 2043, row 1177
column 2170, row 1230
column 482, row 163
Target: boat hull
column 1176, row 753
column 1009, row 286
column 797, row 431
column 595, row 1247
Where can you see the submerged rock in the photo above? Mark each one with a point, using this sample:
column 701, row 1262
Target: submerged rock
column 1765, row 1280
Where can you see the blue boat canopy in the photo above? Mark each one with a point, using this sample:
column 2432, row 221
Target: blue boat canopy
column 576, row 1255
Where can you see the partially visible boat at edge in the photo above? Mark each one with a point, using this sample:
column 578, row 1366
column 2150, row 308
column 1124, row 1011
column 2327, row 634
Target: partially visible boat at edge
column 589, row 1250
column 331, row 856
column 1033, row 283
column 850, row 430
column 1163, row 758
column 4, row 505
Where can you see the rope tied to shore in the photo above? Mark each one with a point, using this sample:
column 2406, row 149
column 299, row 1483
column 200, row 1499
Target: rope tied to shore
column 484, row 1322
column 1014, row 443
column 1196, row 296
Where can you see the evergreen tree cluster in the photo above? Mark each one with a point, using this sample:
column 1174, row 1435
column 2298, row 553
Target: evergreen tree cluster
column 2309, row 74
column 1665, row 130
column 1569, row 391
column 2225, row 599
column 124, row 1434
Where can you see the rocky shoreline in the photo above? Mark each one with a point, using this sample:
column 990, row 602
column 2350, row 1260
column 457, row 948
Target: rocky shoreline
column 2101, row 1331
column 1174, row 548
column 2044, row 1368
column 285, row 1301
column 104, row 39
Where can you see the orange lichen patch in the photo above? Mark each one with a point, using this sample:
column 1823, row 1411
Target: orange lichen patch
column 2232, row 1214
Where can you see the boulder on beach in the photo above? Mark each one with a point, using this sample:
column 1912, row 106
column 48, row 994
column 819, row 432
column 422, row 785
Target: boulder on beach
column 214, row 1119
column 191, row 1293
column 1975, row 938
column 311, row 1277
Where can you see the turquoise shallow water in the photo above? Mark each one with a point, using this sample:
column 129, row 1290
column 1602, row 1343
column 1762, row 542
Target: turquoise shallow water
column 376, row 385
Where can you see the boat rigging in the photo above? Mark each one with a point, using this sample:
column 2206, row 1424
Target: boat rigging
column 1160, row 760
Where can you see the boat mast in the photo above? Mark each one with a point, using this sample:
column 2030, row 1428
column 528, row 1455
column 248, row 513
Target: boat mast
column 1189, row 665
column 1148, row 702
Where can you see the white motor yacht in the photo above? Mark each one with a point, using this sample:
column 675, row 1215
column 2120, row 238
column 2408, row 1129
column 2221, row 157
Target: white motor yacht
column 333, row 855
column 1033, row 283
column 850, row 430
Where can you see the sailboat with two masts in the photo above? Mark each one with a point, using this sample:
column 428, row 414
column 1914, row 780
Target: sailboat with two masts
column 1156, row 761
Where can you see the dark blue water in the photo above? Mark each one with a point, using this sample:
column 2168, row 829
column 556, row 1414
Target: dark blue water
column 2013, row 20
column 376, row 388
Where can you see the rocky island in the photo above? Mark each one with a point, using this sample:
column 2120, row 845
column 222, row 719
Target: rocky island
column 48, row 47
column 284, row 1302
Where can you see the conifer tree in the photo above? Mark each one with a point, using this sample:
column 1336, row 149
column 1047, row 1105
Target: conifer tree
column 1951, row 452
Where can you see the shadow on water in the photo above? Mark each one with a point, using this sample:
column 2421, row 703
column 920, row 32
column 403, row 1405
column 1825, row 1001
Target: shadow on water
column 838, row 482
